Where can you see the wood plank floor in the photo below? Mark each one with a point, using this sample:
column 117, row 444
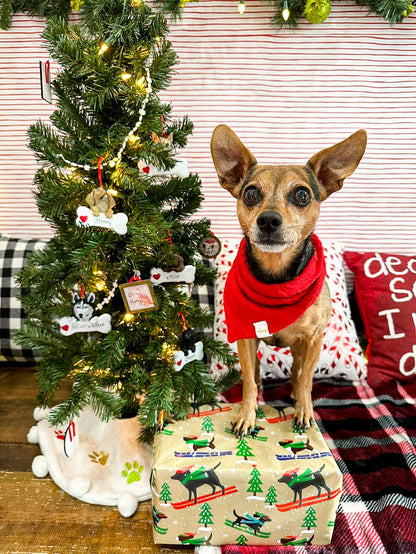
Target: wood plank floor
column 36, row 516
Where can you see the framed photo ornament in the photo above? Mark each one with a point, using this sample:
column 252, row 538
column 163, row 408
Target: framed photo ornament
column 138, row 296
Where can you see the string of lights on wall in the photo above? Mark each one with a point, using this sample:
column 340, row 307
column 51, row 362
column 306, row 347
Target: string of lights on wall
column 285, row 12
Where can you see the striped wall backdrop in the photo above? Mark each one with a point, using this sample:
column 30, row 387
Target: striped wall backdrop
column 287, row 94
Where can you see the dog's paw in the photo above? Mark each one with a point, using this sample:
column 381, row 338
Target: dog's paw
column 303, row 416
column 245, row 422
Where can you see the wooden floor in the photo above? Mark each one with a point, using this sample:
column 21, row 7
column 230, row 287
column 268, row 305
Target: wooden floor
column 36, row 517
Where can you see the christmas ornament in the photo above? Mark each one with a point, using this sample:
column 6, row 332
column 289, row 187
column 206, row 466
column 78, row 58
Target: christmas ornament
column 83, row 320
column 190, row 349
column 101, row 214
column 101, row 201
column 118, row 222
column 316, row 11
column 210, row 247
column 179, row 170
column 166, row 140
column 159, row 276
column 138, row 296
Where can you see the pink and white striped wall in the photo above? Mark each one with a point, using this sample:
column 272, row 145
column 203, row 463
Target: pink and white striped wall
column 287, row 94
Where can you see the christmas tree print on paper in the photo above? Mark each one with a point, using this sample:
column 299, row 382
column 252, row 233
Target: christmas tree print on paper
column 207, row 425
column 241, row 540
column 120, row 203
column 259, row 413
column 271, row 496
column 243, row 449
column 205, row 516
column 255, row 483
column 165, row 494
column 310, row 518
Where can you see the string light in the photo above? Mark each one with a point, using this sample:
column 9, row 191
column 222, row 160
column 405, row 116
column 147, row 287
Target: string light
column 103, row 48
column 128, row 317
column 285, row 12
column 126, row 76
column 241, row 6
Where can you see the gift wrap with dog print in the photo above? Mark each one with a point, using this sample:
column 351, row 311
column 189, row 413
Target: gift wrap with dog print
column 278, row 485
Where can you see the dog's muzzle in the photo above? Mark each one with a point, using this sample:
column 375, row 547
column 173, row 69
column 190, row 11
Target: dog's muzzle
column 269, row 231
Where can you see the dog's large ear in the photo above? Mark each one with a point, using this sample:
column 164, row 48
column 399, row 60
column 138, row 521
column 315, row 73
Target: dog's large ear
column 334, row 164
column 232, row 159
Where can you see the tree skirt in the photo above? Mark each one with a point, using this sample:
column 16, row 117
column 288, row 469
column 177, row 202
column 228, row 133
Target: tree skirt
column 95, row 461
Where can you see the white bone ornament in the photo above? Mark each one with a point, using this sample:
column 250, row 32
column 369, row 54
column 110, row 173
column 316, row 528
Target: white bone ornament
column 69, row 325
column 159, row 276
column 118, row 222
column 180, row 169
column 181, row 359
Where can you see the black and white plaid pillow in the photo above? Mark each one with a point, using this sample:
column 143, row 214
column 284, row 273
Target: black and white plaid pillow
column 13, row 253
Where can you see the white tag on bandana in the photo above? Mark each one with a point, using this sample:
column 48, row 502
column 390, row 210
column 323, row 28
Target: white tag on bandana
column 262, row 329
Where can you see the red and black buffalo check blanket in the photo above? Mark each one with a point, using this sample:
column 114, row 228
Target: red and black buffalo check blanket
column 373, row 439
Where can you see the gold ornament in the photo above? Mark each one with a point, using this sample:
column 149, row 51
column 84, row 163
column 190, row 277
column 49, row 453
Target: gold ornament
column 316, row 11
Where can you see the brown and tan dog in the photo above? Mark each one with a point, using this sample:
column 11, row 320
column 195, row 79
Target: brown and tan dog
column 278, row 207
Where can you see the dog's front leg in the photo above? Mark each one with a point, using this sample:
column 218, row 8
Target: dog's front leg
column 246, row 419
column 307, row 352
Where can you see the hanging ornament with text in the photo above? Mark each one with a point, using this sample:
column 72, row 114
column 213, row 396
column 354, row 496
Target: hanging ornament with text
column 100, row 213
column 83, row 319
column 190, row 348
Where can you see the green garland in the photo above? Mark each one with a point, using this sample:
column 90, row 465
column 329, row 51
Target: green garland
column 315, row 11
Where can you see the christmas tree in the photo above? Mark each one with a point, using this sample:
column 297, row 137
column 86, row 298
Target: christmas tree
column 310, row 518
column 255, row 482
column 205, row 516
column 109, row 299
column 243, row 449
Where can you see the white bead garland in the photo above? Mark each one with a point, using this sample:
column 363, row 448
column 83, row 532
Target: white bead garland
column 142, row 113
column 106, row 300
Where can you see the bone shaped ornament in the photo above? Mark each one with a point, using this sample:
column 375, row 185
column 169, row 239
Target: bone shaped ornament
column 180, row 169
column 69, row 325
column 159, row 276
column 118, row 222
column 180, row 358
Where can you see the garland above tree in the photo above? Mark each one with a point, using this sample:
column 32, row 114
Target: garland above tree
column 287, row 13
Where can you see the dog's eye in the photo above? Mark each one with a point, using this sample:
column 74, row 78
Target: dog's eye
column 302, row 196
column 251, row 196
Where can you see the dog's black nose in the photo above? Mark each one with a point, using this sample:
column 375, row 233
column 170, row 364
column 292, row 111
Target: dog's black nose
column 268, row 222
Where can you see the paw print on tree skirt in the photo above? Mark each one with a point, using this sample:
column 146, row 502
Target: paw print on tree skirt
column 132, row 472
column 99, row 457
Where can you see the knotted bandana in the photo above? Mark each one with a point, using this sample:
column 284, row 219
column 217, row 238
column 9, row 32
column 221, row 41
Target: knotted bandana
column 256, row 309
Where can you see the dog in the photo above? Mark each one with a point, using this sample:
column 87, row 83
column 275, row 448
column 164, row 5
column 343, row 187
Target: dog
column 296, row 446
column 255, row 522
column 195, row 479
column 101, row 201
column 195, row 443
column 298, row 482
column 83, row 308
column 278, row 207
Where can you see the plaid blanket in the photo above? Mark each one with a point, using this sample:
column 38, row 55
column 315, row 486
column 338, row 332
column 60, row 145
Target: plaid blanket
column 373, row 439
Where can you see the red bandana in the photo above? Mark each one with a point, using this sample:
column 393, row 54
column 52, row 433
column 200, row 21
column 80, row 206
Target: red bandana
column 255, row 309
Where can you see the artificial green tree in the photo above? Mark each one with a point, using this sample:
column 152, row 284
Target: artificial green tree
column 111, row 133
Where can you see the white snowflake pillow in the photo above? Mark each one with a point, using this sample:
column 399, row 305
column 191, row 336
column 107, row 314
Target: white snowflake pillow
column 341, row 355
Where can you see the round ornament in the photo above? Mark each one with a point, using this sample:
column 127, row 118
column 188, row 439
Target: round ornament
column 316, row 11
column 210, row 247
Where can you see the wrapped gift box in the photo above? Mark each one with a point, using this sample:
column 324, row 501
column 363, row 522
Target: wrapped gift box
column 278, row 485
